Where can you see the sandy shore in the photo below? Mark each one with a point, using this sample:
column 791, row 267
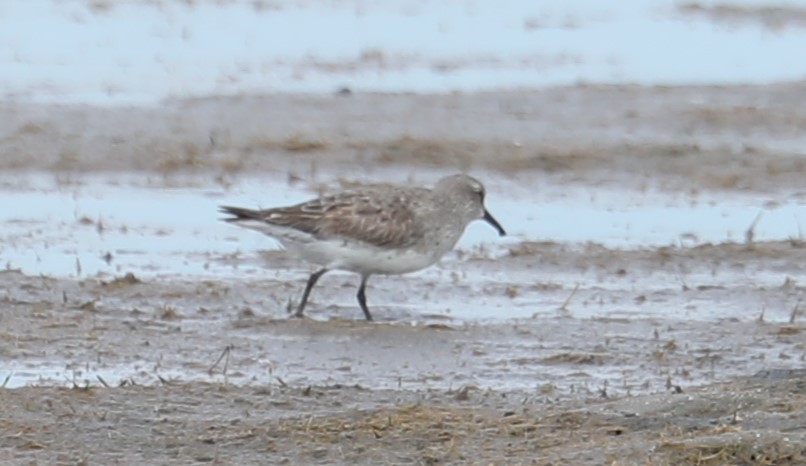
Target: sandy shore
column 688, row 354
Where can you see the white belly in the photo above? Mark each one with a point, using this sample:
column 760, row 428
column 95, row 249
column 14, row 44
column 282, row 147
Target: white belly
column 360, row 258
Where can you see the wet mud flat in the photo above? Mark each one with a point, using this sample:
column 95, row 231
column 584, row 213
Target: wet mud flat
column 740, row 137
column 757, row 420
column 537, row 349
column 213, row 371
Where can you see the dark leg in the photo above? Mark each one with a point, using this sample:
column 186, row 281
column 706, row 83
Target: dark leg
column 362, row 298
column 311, row 282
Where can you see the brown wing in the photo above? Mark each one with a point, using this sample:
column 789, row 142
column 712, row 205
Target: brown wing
column 379, row 218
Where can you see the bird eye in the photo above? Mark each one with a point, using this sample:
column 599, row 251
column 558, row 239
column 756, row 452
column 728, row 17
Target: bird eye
column 476, row 188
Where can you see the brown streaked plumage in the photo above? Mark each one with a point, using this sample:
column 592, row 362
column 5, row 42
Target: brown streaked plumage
column 383, row 220
column 375, row 230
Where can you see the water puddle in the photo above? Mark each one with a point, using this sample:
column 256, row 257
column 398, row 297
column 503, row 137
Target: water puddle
column 611, row 315
column 135, row 52
column 96, row 226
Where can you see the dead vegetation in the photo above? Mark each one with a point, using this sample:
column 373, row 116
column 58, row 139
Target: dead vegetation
column 121, row 282
column 620, row 262
column 676, row 139
column 434, row 434
column 326, row 425
column 773, row 17
column 226, row 385
column 728, row 445
column 461, row 433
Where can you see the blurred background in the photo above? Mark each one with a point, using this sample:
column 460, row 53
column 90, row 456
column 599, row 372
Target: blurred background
column 560, row 106
column 646, row 157
column 131, row 51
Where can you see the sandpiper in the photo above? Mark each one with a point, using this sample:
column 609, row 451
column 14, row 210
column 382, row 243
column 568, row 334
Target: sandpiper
column 380, row 229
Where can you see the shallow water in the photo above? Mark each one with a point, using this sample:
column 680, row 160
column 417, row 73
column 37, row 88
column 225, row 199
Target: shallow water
column 139, row 53
column 542, row 307
column 585, row 299
column 151, row 227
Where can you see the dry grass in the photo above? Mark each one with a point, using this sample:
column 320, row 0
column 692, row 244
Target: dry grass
column 296, row 143
column 101, row 6
column 122, row 282
column 468, row 154
column 440, row 434
column 578, row 358
column 771, row 17
column 428, row 152
column 299, row 143
column 188, row 156
column 726, row 445
column 29, row 128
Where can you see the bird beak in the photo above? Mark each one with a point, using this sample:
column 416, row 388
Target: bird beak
column 492, row 221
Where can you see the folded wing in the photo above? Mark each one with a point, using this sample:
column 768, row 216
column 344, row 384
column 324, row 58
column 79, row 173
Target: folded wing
column 385, row 221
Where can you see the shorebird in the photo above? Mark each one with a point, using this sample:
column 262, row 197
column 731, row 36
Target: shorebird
column 381, row 229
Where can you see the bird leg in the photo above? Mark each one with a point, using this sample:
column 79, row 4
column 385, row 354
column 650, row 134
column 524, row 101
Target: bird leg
column 362, row 298
column 311, row 282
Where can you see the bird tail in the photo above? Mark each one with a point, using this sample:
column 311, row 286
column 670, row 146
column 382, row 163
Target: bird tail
column 239, row 214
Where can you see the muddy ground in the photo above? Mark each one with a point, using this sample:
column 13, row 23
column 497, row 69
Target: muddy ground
column 653, row 355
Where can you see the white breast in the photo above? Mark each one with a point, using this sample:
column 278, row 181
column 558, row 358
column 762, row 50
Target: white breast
column 361, row 258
